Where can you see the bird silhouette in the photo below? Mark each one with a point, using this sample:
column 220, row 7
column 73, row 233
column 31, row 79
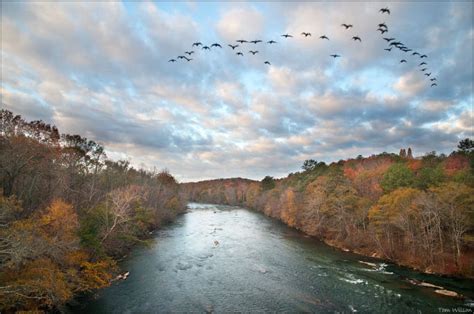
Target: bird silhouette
column 286, row 35
column 181, row 57
column 382, row 30
column 216, row 45
column 388, row 39
column 434, row 84
column 433, row 79
column 266, row 62
column 239, row 53
column 187, row 59
column 423, row 56
column 428, row 74
column 256, row 41
column 172, row 60
column 335, row 56
column 253, row 52
column 189, row 52
column 197, row 44
column 233, row 46
column 403, row 61
column 424, row 69
column 395, row 43
column 206, row 48
column 271, row 42
column 306, row 34
column 385, row 10
column 415, row 53
column 423, row 63
column 383, row 25
column 355, row 38
column 324, row 37
column 347, row 26
column 241, row 41
column 388, row 49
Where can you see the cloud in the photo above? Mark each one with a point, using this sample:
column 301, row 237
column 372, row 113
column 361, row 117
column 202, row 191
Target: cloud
column 240, row 22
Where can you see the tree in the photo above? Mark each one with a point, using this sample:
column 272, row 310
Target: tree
column 466, row 145
column 393, row 219
column 309, row 164
column 457, row 205
column 268, row 183
column 429, row 176
column 403, row 153
column 398, row 175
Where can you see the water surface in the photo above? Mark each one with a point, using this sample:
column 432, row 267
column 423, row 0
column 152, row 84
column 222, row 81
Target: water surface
column 259, row 264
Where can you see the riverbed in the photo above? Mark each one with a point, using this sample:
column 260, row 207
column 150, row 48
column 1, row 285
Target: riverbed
column 217, row 258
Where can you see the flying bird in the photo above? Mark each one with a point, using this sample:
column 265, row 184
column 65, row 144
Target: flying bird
column 241, row 41
column 187, row 59
column 306, row 34
column 428, row 74
column 415, row 53
column 385, row 10
column 355, row 38
column 181, row 57
column 383, row 25
column 395, row 43
column 172, row 60
column 335, row 56
column 381, row 30
column 256, row 41
column 216, row 45
column 239, row 53
column 266, row 62
column 271, row 42
column 253, row 52
column 206, row 48
column 347, row 26
column 233, row 46
column 403, row 61
column 324, row 37
column 286, row 35
column 424, row 69
column 423, row 63
column 434, row 84
column 388, row 49
column 433, row 79
column 423, row 56
column 197, row 44
column 388, row 39
column 189, row 52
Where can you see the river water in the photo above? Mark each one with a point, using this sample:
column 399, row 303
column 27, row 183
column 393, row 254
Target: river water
column 259, row 264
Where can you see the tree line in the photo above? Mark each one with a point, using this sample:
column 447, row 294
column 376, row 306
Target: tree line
column 418, row 212
column 67, row 212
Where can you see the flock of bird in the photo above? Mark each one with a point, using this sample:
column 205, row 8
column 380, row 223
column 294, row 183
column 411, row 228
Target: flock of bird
column 382, row 28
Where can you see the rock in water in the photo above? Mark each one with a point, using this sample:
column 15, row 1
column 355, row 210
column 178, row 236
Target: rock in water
column 430, row 285
column 448, row 293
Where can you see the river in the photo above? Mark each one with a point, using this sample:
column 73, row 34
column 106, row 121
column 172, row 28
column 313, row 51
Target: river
column 259, row 264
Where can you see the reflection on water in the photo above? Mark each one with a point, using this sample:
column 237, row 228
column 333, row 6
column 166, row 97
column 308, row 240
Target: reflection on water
column 222, row 258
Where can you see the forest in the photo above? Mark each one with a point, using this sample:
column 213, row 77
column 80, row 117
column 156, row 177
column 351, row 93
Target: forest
column 416, row 212
column 68, row 213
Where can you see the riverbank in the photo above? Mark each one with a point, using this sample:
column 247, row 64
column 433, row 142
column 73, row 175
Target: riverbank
column 413, row 212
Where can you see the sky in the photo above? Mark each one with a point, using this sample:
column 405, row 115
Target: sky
column 101, row 70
